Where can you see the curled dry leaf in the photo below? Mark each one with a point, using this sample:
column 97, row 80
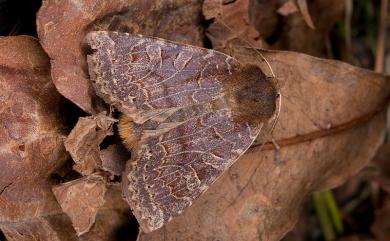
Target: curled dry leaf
column 81, row 199
column 294, row 32
column 262, row 16
column 231, row 24
column 62, row 26
column 304, row 9
column 330, row 126
column 84, row 140
column 31, row 136
column 288, row 8
column 114, row 159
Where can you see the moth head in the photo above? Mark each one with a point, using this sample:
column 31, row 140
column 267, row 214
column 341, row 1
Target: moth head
column 253, row 95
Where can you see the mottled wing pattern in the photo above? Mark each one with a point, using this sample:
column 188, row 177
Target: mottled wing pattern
column 154, row 79
column 145, row 76
column 174, row 168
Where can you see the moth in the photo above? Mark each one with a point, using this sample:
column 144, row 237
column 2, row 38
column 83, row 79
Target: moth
column 188, row 113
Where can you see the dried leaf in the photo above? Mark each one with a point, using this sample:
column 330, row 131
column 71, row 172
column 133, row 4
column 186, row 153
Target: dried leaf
column 303, row 8
column 327, row 106
column 231, row 24
column 288, row 8
column 62, row 26
column 293, row 32
column 114, row 159
column 54, row 227
column 114, row 215
column 296, row 34
column 81, row 199
column 263, row 17
column 31, row 143
column 84, row 140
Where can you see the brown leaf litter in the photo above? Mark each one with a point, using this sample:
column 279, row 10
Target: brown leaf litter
column 32, row 133
column 296, row 33
column 32, row 150
column 304, row 26
column 330, row 126
column 232, row 24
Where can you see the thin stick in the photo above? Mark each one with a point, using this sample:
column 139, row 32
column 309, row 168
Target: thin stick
column 347, row 25
column 380, row 46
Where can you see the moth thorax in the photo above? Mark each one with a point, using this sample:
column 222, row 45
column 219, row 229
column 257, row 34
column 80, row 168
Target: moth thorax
column 252, row 95
column 128, row 132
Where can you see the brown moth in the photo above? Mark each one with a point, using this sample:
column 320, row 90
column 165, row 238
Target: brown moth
column 187, row 114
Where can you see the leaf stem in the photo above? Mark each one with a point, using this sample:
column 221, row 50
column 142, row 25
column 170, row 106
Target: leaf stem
column 323, row 216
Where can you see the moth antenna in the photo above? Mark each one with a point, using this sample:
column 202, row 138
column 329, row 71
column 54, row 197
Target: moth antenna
column 275, row 121
column 278, row 108
column 251, row 45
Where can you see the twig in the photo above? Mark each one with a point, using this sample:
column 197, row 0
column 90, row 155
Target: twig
column 348, row 31
column 381, row 40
